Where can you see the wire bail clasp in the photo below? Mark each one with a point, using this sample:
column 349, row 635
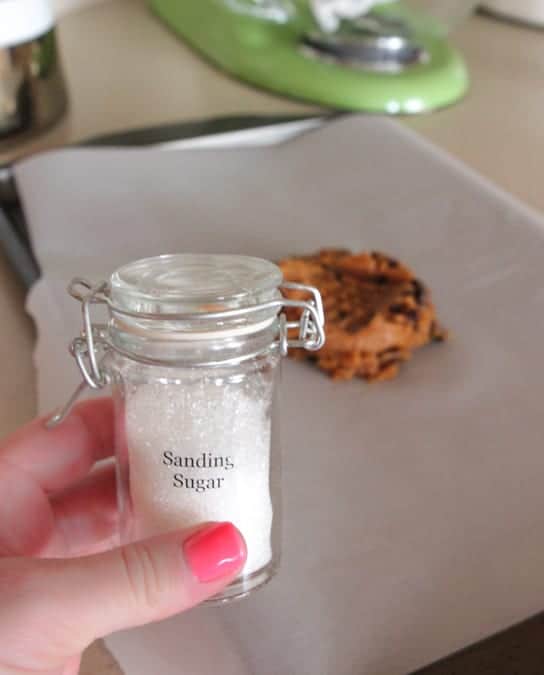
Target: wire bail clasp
column 310, row 326
column 89, row 349
column 90, row 346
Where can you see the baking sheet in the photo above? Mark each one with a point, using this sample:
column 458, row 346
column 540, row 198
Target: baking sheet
column 414, row 510
column 241, row 130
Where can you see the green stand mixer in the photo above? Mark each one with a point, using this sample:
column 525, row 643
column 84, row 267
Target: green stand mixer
column 378, row 56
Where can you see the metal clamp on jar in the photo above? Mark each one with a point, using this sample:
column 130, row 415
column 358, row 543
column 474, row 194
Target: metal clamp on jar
column 32, row 92
column 192, row 348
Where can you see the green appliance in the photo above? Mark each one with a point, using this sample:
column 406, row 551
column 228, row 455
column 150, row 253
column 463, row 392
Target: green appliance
column 394, row 58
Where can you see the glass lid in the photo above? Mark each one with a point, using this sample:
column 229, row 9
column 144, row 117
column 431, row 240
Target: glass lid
column 194, row 284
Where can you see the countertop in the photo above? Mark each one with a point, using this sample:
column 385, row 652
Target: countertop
column 125, row 70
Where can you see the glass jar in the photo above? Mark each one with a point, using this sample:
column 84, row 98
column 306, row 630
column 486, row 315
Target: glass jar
column 192, row 349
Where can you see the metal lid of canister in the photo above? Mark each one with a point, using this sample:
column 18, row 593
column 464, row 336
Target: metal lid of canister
column 24, row 20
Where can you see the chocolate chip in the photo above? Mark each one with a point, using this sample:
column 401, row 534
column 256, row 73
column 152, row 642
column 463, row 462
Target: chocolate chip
column 420, row 292
column 403, row 310
column 412, row 314
column 389, row 362
column 358, row 322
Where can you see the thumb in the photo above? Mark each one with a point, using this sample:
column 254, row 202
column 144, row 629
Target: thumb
column 66, row 604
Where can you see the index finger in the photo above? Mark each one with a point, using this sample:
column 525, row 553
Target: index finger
column 58, row 457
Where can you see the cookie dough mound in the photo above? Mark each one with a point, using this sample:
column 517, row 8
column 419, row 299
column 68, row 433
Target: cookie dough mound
column 377, row 312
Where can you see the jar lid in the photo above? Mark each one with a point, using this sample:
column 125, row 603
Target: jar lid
column 189, row 297
column 193, row 296
column 194, row 284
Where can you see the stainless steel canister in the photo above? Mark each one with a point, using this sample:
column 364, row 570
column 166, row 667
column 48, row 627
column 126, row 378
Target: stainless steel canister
column 32, row 90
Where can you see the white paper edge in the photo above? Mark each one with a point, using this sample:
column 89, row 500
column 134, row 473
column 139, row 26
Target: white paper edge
column 257, row 136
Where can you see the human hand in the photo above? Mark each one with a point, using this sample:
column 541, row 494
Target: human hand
column 61, row 583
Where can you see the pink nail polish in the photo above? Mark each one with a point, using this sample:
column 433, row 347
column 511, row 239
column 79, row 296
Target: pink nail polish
column 215, row 551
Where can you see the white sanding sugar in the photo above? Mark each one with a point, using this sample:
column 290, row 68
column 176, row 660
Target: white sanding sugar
column 200, row 451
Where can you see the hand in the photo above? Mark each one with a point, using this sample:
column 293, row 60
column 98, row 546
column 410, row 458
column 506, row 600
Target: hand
column 61, row 583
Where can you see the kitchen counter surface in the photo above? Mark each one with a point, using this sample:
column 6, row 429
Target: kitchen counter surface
column 150, row 78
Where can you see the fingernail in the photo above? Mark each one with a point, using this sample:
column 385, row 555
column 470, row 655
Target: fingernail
column 214, row 552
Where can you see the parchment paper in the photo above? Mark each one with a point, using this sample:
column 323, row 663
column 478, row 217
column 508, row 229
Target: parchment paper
column 414, row 510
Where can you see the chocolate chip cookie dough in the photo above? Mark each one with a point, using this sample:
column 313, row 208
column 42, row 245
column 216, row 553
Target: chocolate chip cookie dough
column 377, row 312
